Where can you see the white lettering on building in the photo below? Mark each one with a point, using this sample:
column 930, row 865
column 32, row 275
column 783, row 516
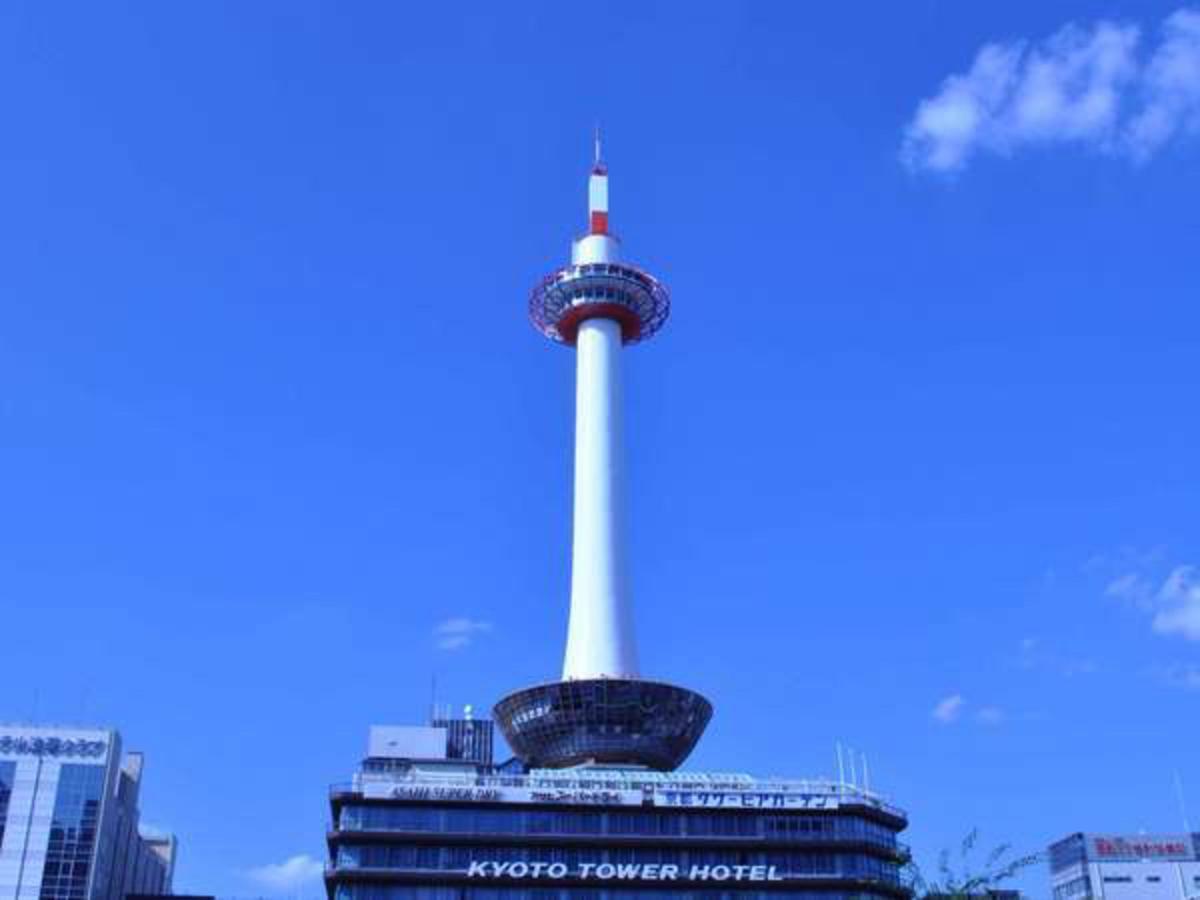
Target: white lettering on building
column 619, row 871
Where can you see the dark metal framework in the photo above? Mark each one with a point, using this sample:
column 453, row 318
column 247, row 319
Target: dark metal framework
column 564, row 298
column 603, row 720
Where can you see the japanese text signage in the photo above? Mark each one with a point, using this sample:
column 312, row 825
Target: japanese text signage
column 744, row 800
column 471, row 794
column 51, row 746
column 1135, row 847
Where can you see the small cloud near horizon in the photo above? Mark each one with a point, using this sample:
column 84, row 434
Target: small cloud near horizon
column 456, row 633
column 1087, row 85
column 293, row 873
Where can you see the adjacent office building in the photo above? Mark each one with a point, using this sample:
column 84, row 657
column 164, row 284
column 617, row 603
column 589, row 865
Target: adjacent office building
column 69, row 813
column 1126, row 867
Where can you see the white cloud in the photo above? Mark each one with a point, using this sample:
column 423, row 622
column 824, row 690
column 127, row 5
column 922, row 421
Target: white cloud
column 1171, row 87
column 1083, row 85
column 1179, row 604
column 949, row 709
column 1132, row 587
column 1174, row 605
column 454, row 634
column 291, row 874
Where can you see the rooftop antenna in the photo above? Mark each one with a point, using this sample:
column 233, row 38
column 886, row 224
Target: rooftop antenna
column 1182, row 805
column 866, row 775
column 853, row 772
column 841, row 766
column 597, row 161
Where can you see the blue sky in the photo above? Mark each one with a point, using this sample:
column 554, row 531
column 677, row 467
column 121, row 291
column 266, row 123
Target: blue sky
column 913, row 463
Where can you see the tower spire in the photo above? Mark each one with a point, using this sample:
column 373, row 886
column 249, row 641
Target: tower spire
column 598, row 192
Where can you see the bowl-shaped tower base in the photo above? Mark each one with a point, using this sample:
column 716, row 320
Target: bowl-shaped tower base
column 612, row 721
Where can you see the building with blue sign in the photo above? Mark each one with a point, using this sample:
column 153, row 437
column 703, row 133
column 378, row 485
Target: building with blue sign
column 69, row 826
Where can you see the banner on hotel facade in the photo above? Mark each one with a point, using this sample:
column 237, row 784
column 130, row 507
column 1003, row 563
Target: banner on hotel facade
column 744, row 800
column 471, row 794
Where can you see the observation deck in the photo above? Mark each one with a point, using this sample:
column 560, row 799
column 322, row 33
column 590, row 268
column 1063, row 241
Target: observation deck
column 612, row 290
column 621, row 721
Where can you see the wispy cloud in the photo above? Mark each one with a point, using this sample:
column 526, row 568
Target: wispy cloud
column 949, row 709
column 290, row 875
column 1174, row 604
column 952, row 709
column 1132, row 587
column 454, row 634
column 1085, row 85
column 1179, row 604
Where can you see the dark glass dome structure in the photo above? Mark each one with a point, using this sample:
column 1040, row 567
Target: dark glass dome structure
column 613, row 721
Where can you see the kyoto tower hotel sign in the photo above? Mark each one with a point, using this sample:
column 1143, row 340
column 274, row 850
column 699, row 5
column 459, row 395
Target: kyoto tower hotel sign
column 602, row 711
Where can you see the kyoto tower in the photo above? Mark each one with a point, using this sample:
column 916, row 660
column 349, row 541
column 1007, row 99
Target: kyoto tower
column 602, row 711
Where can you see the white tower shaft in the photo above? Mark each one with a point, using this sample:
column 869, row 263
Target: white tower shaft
column 600, row 642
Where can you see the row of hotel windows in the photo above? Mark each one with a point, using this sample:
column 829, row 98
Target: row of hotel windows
column 403, row 892
column 458, row 858
column 540, row 821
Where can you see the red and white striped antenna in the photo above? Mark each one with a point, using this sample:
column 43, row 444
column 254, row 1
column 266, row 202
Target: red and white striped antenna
column 598, row 193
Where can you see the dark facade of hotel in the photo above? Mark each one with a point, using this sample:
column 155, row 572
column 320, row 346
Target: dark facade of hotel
column 415, row 823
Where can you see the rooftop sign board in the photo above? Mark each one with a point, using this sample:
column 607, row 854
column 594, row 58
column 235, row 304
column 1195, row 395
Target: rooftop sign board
column 744, row 799
column 1130, row 848
column 37, row 745
column 387, row 790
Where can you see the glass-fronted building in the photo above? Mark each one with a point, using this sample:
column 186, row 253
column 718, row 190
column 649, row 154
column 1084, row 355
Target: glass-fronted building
column 69, row 818
column 414, row 823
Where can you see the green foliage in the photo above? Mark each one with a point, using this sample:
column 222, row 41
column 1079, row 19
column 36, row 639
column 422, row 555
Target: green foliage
column 962, row 878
